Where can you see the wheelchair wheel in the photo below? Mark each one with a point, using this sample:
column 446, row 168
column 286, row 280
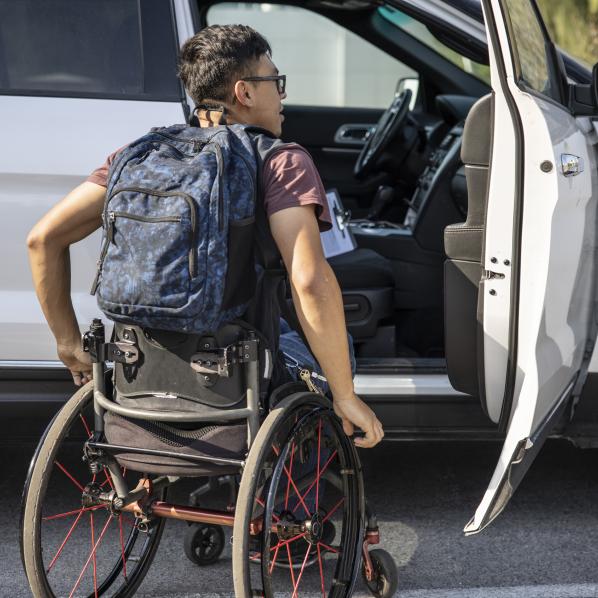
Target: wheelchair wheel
column 385, row 581
column 299, row 520
column 68, row 548
column 204, row 543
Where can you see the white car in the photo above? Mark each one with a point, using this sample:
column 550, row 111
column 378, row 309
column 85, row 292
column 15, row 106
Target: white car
column 472, row 292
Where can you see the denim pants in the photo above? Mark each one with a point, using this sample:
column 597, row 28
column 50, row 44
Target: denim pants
column 297, row 356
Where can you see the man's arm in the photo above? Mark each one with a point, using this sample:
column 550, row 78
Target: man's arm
column 318, row 302
column 72, row 219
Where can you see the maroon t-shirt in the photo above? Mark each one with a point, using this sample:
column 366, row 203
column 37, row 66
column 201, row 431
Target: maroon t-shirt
column 290, row 179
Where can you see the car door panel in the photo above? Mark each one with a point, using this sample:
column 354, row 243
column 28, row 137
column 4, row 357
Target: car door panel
column 537, row 295
column 316, row 128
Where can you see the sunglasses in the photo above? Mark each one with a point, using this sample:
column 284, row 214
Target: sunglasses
column 281, row 81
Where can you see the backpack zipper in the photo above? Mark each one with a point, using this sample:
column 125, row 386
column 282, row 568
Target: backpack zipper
column 220, row 166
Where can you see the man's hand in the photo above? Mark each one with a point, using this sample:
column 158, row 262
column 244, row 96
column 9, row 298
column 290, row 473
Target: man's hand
column 77, row 361
column 354, row 412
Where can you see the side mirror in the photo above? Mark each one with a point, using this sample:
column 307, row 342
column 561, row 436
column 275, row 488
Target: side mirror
column 411, row 83
column 583, row 99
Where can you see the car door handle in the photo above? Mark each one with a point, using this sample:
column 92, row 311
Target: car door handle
column 571, row 165
column 353, row 134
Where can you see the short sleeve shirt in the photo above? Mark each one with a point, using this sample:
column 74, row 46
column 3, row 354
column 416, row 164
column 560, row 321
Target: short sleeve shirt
column 290, row 179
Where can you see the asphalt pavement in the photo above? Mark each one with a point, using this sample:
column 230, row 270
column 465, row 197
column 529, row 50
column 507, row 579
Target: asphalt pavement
column 545, row 544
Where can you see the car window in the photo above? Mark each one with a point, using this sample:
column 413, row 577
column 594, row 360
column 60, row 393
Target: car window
column 420, row 32
column 325, row 64
column 112, row 48
column 530, row 47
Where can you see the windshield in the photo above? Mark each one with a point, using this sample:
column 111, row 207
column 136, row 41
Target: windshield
column 420, row 32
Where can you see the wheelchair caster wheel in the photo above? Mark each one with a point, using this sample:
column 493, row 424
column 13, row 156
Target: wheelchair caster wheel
column 385, row 578
column 204, row 544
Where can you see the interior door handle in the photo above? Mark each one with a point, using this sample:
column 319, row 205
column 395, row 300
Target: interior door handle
column 353, row 134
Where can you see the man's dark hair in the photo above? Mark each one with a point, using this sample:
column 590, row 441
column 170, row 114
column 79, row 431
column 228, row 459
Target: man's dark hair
column 214, row 59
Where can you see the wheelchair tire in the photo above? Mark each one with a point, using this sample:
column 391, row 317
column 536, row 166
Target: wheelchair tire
column 386, row 578
column 302, row 473
column 67, row 548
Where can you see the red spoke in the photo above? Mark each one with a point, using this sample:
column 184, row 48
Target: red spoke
column 95, row 572
column 287, row 542
column 85, row 424
column 289, row 477
column 122, row 545
column 263, row 504
column 255, row 556
column 301, row 572
column 329, row 548
column 291, row 565
column 68, row 535
column 274, row 559
column 321, row 571
column 336, row 506
column 108, row 479
column 68, row 475
column 90, row 557
column 318, row 466
column 286, row 496
column 67, row 514
column 314, row 482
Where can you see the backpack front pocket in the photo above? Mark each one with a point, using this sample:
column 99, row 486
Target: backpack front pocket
column 149, row 260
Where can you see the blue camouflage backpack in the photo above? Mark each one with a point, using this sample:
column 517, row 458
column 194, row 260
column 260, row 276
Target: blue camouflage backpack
column 179, row 218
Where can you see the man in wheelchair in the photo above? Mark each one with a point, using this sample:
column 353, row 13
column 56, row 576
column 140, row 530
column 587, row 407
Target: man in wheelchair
column 208, row 405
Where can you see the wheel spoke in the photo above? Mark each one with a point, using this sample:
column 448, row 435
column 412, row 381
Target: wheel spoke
column 287, row 542
column 68, row 535
column 93, row 551
column 328, row 548
column 75, row 512
column 320, row 475
column 301, row 572
column 95, row 571
column 68, row 475
column 321, row 571
column 286, row 496
column 318, row 465
column 260, row 502
column 274, row 558
column 85, row 425
column 332, row 511
column 291, row 565
column 289, row 477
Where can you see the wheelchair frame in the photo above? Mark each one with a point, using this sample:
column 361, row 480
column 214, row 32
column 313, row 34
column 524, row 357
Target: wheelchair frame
column 125, row 500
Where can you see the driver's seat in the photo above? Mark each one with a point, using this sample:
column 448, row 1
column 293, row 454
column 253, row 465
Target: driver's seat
column 367, row 284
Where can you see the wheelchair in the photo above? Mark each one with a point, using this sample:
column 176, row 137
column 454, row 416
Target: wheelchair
column 177, row 406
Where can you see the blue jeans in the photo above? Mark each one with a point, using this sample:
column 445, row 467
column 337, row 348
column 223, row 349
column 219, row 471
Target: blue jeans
column 297, row 356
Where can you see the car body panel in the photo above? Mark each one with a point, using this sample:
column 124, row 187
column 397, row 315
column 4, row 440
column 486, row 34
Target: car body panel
column 47, row 160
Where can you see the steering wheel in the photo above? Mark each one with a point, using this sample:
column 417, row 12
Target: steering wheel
column 388, row 127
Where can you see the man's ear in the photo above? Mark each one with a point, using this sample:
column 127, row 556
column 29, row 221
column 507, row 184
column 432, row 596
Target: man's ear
column 243, row 94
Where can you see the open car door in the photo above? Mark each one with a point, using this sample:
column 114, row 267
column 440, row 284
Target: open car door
column 536, row 302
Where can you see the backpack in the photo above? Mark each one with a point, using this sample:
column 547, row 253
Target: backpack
column 178, row 228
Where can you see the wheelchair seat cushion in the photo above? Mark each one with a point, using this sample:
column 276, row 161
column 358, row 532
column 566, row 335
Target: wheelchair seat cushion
column 362, row 269
column 224, row 441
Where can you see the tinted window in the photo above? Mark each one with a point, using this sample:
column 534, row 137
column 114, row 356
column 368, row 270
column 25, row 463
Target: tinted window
column 325, row 64
column 530, row 46
column 88, row 48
